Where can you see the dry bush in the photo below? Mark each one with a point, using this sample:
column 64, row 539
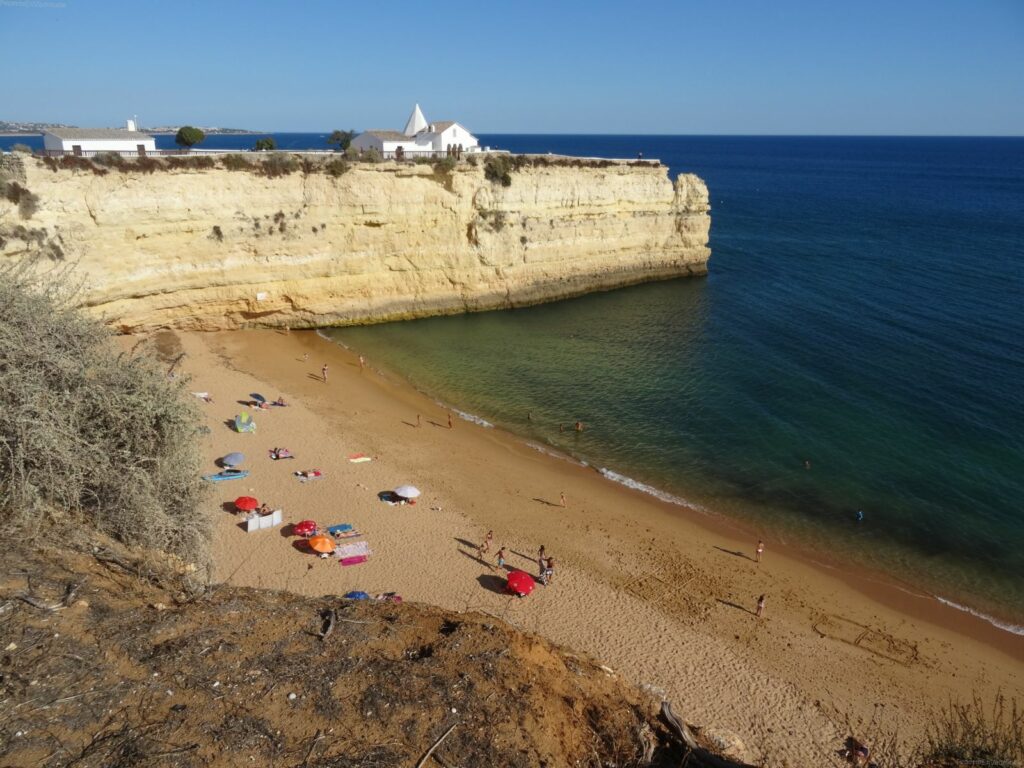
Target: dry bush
column 88, row 435
column 967, row 734
column 236, row 163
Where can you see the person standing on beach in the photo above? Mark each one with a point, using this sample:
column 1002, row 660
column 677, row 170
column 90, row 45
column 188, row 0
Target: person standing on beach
column 488, row 539
column 500, row 557
column 548, row 572
column 362, row 363
column 760, row 606
column 450, row 424
column 759, row 551
column 419, row 421
column 562, row 495
column 323, row 372
column 541, row 560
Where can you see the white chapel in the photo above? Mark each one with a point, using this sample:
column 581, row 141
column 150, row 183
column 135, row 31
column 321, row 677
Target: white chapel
column 444, row 138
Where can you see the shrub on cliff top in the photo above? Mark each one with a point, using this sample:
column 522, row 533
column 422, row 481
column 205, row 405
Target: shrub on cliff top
column 187, row 136
column 498, row 169
column 236, row 163
column 278, row 164
column 89, row 435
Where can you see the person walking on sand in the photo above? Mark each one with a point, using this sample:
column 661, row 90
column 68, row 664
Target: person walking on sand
column 760, row 606
column 450, row 424
column 562, row 496
column 541, row 560
column 323, row 372
column 759, row 551
column 419, row 421
column 500, row 557
column 362, row 362
column 488, row 539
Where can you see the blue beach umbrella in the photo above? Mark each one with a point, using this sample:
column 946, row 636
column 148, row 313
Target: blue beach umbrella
column 257, row 397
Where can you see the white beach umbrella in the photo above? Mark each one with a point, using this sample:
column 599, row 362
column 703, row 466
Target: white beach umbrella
column 407, row 491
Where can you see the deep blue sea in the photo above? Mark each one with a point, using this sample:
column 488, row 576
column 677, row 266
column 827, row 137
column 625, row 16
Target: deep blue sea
column 864, row 311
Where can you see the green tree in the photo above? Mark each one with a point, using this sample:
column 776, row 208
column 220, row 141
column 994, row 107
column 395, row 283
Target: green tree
column 188, row 136
column 341, row 139
column 267, row 143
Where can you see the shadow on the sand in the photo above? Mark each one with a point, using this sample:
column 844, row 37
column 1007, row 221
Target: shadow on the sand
column 545, row 501
column 315, row 377
column 492, row 583
column 735, row 553
column 737, row 607
column 532, row 558
column 476, row 558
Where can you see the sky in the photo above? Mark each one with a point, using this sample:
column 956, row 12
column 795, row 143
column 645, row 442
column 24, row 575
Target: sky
column 895, row 67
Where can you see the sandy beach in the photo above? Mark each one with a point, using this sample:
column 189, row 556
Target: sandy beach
column 664, row 596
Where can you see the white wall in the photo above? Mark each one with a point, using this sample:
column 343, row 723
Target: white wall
column 455, row 135
column 98, row 145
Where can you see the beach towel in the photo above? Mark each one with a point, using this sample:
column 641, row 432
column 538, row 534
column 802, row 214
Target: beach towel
column 343, row 531
column 355, row 549
column 359, row 458
column 227, row 474
column 357, row 595
column 354, row 560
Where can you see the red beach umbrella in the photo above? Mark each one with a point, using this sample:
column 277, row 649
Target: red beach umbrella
column 246, row 503
column 304, row 528
column 520, row 583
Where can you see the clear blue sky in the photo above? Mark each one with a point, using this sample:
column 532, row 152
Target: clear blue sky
column 716, row 66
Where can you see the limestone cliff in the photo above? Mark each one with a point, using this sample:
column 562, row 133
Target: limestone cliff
column 216, row 248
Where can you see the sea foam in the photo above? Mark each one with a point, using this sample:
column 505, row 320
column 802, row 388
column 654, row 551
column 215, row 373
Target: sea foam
column 1015, row 629
column 657, row 493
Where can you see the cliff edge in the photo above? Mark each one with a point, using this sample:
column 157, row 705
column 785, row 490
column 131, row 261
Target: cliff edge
column 214, row 248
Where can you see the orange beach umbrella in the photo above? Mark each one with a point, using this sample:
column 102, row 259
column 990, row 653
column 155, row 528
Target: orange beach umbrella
column 321, row 543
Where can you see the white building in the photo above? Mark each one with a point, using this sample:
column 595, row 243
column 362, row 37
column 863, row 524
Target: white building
column 445, row 138
column 89, row 141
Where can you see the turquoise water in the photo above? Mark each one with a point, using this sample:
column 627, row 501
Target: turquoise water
column 864, row 311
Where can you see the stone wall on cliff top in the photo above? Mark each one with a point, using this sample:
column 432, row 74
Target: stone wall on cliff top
column 213, row 249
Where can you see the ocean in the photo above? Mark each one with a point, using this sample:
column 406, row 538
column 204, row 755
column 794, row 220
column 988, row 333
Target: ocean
column 863, row 312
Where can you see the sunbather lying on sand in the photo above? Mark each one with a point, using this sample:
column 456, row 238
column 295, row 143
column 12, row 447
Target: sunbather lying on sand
column 281, row 453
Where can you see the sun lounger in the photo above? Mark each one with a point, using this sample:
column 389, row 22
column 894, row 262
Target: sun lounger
column 227, row 474
column 359, row 458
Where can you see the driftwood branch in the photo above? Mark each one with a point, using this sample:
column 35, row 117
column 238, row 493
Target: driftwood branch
column 435, row 745
column 37, row 603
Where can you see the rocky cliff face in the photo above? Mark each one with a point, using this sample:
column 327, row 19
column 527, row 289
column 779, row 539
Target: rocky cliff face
column 214, row 248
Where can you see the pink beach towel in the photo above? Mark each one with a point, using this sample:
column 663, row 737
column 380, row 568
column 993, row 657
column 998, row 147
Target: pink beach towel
column 354, row 560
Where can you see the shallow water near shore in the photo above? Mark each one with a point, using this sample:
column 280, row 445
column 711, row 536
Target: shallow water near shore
column 864, row 312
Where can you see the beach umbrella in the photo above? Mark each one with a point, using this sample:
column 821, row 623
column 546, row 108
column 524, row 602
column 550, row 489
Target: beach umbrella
column 407, row 491
column 246, row 503
column 357, row 595
column 233, row 459
column 304, row 528
column 321, row 543
column 521, row 583
column 257, row 397
column 244, row 423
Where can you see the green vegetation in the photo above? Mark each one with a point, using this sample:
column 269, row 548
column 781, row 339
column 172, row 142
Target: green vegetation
column 24, row 149
column 266, row 144
column 187, row 136
column 498, row 169
column 336, row 167
column 89, row 435
column 341, row 139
